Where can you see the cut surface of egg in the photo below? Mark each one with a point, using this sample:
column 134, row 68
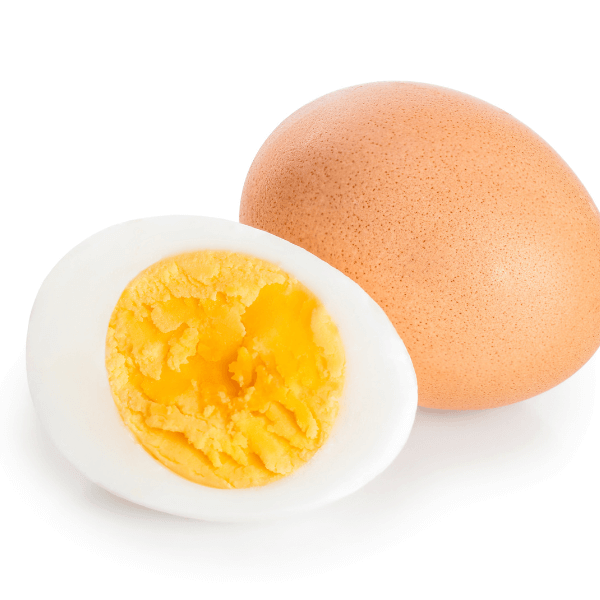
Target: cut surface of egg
column 267, row 306
column 225, row 368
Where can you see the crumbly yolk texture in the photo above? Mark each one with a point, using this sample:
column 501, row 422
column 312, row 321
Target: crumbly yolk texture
column 226, row 369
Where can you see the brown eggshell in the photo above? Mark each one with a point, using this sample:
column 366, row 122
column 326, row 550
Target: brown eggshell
column 470, row 231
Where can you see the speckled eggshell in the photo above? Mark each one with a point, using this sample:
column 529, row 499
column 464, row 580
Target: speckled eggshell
column 469, row 230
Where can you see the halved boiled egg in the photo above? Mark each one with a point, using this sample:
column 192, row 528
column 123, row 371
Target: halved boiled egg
column 207, row 369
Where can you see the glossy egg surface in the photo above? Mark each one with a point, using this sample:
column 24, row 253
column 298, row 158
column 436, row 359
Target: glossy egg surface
column 70, row 389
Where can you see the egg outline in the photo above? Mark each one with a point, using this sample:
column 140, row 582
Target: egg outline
column 418, row 179
column 93, row 439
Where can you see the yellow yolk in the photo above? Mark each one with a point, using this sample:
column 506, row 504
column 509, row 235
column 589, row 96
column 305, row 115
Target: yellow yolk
column 226, row 369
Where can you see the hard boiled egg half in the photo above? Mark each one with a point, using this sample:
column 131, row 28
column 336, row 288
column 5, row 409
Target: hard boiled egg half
column 211, row 370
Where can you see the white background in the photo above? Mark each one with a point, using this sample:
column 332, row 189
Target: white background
column 116, row 110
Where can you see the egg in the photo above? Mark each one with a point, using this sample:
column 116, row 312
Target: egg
column 468, row 229
column 94, row 298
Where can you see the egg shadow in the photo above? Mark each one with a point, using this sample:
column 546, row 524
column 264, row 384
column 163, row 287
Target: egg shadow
column 451, row 458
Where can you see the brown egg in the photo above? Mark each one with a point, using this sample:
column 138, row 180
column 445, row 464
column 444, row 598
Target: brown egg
column 469, row 230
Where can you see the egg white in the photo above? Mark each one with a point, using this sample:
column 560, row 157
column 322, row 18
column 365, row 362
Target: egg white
column 69, row 385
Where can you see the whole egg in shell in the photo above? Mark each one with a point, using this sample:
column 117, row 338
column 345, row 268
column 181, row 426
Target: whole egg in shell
column 211, row 370
column 469, row 230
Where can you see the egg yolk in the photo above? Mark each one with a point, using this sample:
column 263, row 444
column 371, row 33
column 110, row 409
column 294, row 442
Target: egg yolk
column 225, row 368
